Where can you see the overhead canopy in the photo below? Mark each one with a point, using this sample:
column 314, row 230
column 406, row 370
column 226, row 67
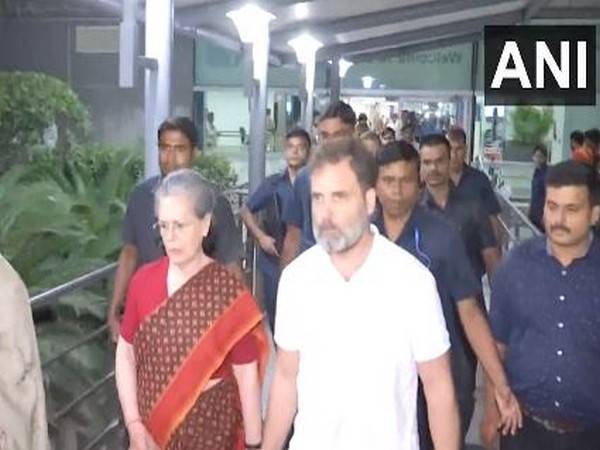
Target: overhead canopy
column 354, row 29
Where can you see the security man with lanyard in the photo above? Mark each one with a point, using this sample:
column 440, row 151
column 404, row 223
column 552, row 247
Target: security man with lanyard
column 435, row 243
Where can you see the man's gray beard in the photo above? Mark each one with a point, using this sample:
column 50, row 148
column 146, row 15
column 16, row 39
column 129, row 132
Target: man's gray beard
column 346, row 241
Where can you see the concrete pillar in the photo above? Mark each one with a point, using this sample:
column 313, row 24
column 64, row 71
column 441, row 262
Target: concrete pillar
column 157, row 93
column 335, row 82
column 256, row 154
column 310, row 92
column 280, row 101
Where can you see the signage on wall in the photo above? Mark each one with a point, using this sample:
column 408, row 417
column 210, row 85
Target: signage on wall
column 433, row 57
column 540, row 65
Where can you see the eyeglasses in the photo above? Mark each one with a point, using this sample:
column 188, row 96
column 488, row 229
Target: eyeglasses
column 175, row 226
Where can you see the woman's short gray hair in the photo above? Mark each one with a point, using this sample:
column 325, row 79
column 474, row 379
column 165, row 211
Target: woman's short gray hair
column 188, row 182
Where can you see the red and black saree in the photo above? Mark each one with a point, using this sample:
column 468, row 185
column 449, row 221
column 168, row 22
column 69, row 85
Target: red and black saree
column 178, row 348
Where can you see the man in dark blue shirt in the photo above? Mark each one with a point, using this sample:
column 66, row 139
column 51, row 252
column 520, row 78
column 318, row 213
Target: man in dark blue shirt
column 538, row 185
column 545, row 315
column 271, row 198
column 433, row 241
column 337, row 121
column 465, row 213
column 470, row 182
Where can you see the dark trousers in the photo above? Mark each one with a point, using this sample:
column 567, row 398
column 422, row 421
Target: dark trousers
column 534, row 436
column 270, row 282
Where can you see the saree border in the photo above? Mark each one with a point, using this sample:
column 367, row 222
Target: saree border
column 188, row 383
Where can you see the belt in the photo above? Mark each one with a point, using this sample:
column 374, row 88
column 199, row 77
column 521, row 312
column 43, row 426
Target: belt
column 561, row 426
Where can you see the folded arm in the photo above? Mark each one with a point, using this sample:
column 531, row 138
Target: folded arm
column 291, row 245
column 266, row 242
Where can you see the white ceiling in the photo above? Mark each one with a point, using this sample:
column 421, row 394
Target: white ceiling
column 352, row 27
column 346, row 27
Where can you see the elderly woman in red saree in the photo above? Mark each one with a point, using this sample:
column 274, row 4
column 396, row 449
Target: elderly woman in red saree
column 192, row 346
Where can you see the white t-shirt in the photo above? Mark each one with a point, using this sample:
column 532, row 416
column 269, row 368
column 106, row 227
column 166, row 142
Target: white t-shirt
column 358, row 343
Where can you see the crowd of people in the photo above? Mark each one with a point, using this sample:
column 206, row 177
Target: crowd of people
column 372, row 251
column 404, row 127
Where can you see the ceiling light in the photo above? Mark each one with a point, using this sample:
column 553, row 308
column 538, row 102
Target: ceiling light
column 301, row 11
column 305, row 47
column 367, row 82
column 344, row 65
column 251, row 22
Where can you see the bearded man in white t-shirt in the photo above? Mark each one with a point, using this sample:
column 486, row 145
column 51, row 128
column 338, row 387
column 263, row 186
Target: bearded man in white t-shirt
column 358, row 321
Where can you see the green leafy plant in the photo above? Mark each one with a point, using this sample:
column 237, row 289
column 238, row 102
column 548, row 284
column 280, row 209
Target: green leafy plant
column 62, row 212
column 65, row 214
column 62, row 218
column 68, row 214
column 30, row 103
column 217, row 168
column 531, row 124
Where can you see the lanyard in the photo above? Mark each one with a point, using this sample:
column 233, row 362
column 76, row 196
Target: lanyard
column 423, row 257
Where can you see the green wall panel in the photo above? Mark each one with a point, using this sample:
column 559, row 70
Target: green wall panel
column 446, row 68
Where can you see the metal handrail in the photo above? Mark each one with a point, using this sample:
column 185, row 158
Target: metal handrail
column 81, row 282
column 513, row 220
column 511, row 235
column 48, row 298
column 89, row 337
column 85, row 394
column 112, row 426
column 520, row 214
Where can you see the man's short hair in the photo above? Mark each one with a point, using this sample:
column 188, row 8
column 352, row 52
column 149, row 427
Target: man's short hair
column 435, row 139
column 572, row 173
column 457, row 134
column 593, row 135
column 577, row 137
column 370, row 136
column 299, row 133
column 388, row 130
column 398, row 151
column 539, row 147
column 340, row 110
column 184, row 125
column 337, row 150
column 361, row 127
